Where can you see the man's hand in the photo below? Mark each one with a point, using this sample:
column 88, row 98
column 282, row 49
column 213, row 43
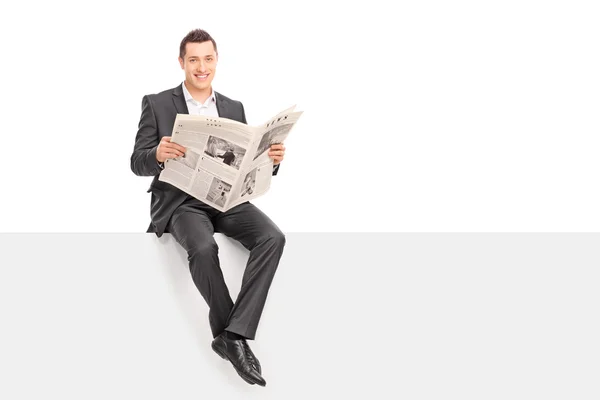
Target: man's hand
column 277, row 152
column 166, row 149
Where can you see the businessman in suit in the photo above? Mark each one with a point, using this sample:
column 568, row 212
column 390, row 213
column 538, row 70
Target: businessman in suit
column 228, row 157
column 192, row 223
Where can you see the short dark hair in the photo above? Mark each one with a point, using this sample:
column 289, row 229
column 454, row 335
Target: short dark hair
column 195, row 36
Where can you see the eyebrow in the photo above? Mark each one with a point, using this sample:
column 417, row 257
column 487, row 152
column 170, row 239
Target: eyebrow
column 208, row 55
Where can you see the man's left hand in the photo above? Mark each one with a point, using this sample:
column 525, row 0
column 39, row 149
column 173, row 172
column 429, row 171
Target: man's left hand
column 277, row 152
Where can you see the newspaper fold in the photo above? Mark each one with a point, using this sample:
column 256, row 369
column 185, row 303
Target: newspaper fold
column 226, row 162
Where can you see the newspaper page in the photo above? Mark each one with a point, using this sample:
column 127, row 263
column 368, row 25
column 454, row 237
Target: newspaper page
column 256, row 176
column 221, row 157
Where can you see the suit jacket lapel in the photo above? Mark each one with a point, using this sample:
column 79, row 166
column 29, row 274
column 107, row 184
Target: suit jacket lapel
column 222, row 106
column 179, row 100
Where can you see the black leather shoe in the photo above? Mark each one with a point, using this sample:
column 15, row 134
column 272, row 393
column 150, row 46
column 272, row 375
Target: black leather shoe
column 235, row 351
column 251, row 357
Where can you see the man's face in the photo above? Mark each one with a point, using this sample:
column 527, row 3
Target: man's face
column 199, row 64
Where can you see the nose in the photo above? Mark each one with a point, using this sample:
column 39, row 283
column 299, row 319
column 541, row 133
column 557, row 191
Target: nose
column 201, row 67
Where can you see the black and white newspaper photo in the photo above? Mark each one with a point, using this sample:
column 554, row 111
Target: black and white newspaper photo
column 249, row 183
column 224, row 151
column 254, row 184
column 274, row 136
column 218, row 192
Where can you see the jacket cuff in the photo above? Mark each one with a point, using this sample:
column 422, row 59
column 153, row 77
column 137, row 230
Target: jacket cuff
column 153, row 163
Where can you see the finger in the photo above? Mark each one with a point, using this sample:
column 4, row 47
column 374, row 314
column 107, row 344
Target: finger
column 175, row 146
column 166, row 143
column 172, row 153
column 277, row 147
column 176, row 152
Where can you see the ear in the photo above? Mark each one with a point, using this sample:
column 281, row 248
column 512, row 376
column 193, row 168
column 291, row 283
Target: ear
column 180, row 62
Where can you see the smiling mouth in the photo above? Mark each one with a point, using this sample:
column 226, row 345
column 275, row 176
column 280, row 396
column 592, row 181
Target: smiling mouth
column 201, row 76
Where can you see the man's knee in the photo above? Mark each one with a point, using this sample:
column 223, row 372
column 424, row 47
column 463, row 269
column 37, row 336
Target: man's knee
column 203, row 260
column 205, row 250
column 274, row 237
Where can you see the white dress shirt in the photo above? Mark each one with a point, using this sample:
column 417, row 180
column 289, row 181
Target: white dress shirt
column 208, row 108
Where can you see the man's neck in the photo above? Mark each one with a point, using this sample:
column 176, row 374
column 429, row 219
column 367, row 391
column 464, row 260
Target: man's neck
column 198, row 95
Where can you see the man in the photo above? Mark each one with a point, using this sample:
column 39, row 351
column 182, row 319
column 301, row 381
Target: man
column 228, row 156
column 193, row 223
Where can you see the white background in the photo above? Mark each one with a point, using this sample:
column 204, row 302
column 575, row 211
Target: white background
column 428, row 116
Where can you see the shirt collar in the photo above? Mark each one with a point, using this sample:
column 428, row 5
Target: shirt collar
column 189, row 98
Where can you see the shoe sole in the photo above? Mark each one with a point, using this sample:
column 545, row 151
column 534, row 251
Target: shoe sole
column 224, row 357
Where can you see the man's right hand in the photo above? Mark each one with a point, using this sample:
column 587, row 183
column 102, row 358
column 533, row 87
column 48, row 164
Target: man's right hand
column 166, row 149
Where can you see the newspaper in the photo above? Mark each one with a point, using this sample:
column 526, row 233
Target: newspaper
column 226, row 162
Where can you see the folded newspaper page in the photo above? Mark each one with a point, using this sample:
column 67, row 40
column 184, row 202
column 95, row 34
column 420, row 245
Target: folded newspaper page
column 226, row 162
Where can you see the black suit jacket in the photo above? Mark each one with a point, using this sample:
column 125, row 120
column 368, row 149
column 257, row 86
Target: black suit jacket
column 157, row 120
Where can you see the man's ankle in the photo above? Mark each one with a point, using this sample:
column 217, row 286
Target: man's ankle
column 232, row 335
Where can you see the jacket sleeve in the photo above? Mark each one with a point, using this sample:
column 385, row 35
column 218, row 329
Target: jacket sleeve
column 143, row 158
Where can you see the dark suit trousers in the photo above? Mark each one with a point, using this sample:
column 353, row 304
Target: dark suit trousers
column 193, row 225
